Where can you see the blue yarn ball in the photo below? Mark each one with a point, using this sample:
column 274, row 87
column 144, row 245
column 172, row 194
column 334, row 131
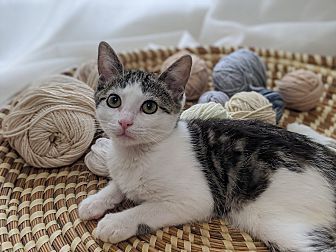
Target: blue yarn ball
column 214, row 96
column 274, row 98
column 238, row 71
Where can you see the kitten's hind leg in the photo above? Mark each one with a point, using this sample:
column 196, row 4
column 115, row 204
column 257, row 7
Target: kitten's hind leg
column 95, row 160
column 94, row 206
column 289, row 210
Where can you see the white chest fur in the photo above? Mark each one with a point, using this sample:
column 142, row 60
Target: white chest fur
column 168, row 171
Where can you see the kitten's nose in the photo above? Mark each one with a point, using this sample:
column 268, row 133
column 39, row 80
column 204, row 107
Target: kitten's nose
column 125, row 123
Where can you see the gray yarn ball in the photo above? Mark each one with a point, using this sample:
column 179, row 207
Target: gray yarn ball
column 239, row 71
column 214, row 96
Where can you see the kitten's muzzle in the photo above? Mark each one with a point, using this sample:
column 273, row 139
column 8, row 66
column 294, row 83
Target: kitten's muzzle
column 125, row 123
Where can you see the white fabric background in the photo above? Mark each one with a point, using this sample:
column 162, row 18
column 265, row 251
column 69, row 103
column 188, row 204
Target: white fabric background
column 39, row 37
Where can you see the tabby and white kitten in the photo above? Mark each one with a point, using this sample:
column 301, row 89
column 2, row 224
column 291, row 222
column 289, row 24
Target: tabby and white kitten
column 277, row 185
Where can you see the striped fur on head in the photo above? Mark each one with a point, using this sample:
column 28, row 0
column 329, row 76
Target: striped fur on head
column 134, row 87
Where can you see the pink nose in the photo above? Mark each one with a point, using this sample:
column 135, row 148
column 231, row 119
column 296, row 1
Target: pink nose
column 125, row 123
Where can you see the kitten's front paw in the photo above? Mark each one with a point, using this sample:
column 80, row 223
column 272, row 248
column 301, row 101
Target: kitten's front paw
column 92, row 208
column 114, row 228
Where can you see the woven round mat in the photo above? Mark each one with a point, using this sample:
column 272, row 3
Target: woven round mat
column 38, row 207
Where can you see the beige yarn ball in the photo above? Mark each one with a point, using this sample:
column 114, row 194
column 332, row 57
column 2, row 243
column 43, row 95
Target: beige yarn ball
column 300, row 89
column 205, row 111
column 250, row 105
column 198, row 80
column 88, row 73
column 53, row 124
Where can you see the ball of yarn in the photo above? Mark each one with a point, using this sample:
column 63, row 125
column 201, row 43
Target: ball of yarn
column 95, row 160
column 88, row 73
column 214, row 96
column 198, row 80
column 53, row 124
column 93, row 77
column 84, row 70
column 205, row 111
column 250, row 105
column 239, row 71
column 273, row 97
column 300, row 89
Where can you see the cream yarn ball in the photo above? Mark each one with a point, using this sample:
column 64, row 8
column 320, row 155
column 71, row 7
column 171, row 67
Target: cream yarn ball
column 205, row 111
column 250, row 105
column 53, row 124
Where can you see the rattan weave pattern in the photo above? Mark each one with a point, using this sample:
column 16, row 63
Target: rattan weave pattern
column 38, row 207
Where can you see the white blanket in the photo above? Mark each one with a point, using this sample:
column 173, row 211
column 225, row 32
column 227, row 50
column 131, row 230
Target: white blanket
column 41, row 37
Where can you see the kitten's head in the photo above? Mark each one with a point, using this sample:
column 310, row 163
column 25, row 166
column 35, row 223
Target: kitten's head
column 135, row 107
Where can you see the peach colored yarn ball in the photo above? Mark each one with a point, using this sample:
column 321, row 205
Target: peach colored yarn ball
column 83, row 71
column 198, row 81
column 300, row 89
column 92, row 80
column 88, row 73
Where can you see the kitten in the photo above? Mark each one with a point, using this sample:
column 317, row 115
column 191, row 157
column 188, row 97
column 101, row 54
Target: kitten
column 277, row 185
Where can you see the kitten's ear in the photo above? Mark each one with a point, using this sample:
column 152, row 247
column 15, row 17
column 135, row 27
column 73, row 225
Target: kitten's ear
column 177, row 75
column 109, row 64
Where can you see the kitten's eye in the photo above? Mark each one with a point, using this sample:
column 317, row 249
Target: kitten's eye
column 113, row 101
column 149, row 107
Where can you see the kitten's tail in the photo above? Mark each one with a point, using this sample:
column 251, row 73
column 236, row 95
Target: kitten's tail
column 312, row 134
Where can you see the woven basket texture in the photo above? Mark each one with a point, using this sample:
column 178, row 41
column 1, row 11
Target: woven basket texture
column 38, row 207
